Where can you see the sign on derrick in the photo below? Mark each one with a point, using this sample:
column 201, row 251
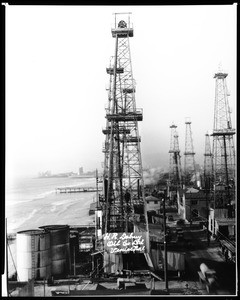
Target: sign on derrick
column 125, row 242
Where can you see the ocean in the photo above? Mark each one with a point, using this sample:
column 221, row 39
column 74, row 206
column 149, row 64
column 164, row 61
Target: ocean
column 33, row 202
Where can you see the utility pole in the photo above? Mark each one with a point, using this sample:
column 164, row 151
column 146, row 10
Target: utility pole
column 190, row 208
column 207, row 223
column 97, row 268
column 74, row 262
column 165, row 245
column 6, row 249
column 97, row 188
column 44, row 293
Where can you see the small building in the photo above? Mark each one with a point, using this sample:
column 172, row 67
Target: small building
column 193, row 205
column 86, row 243
column 196, row 205
column 220, row 224
column 86, row 238
column 153, row 203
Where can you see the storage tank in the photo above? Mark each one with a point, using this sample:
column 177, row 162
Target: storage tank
column 60, row 249
column 33, row 254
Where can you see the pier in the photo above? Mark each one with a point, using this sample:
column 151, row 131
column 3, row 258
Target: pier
column 76, row 189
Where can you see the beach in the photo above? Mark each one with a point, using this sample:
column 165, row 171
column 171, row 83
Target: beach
column 33, row 202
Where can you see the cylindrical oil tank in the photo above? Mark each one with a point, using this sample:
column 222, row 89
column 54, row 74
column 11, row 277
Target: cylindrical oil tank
column 33, row 254
column 60, row 249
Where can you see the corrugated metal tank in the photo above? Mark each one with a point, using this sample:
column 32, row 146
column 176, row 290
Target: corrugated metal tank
column 33, row 254
column 60, row 248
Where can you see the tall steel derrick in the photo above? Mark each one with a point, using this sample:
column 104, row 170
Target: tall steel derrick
column 175, row 172
column 223, row 144
column 189, row 159
column 123, row 179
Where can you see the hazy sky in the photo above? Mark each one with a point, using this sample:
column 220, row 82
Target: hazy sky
column 56, row 59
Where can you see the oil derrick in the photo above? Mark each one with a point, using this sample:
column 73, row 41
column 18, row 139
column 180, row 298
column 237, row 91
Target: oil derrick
column 189, row 160
column 107, row 130
column 175, row 174
column 172, row 164
column 208, row 164
column 223, row 145
column 207, row 175
column 123, row 179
